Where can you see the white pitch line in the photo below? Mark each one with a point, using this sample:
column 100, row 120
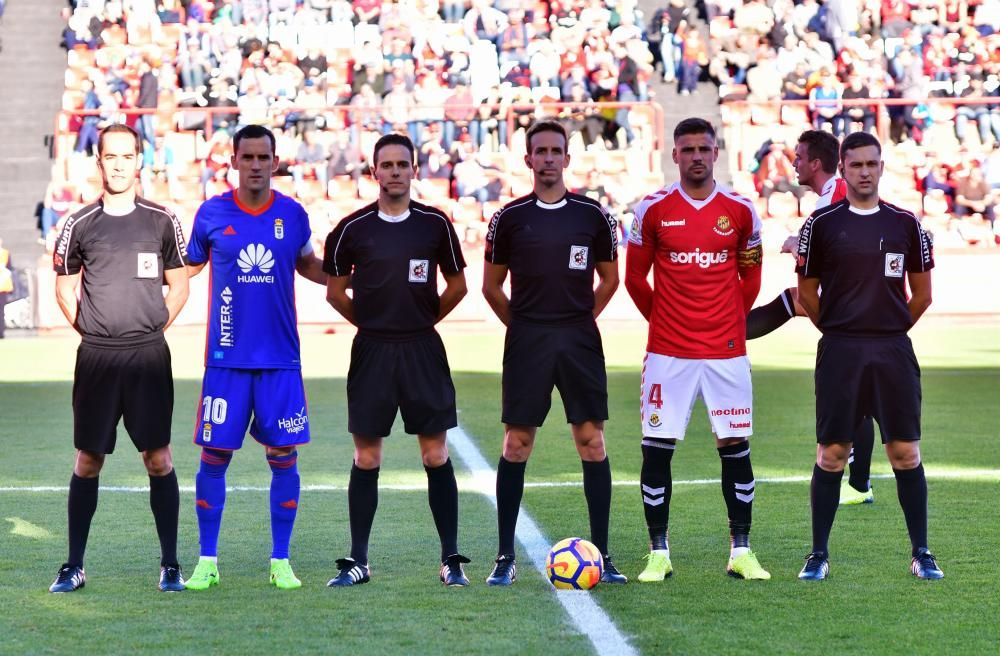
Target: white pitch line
column 944, row 474
column 587, row 616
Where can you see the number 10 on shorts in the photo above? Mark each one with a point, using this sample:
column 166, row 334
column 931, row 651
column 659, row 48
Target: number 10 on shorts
column 213, row 412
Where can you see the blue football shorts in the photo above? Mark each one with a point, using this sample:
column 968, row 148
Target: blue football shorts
column 271, row 401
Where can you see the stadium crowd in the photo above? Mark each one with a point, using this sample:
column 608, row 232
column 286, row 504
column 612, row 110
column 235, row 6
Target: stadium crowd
column 464, row 78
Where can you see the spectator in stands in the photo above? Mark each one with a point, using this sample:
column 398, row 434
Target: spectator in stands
column 149, row 99
column 473, row 179
column 482, row 21
column 310, row 160
column 694, row 57
column 459, row 111
column 795, row 85
column 433, row 158
column 515, row 39
column 764, row 81
column 974, row 196
column 863, row 114
column 58, row 199
column 215, row 172
column 987, row 117
column 86, row 140
column 345, row 158
column 937, row 182
column 776, row 172
column 6, row 283
column 159, row 164
column 544, row 64
column 825, row 104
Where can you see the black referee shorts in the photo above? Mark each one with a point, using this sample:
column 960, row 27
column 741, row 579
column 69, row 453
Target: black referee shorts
column 111, row 382
column 537, row 357
column 860, row 376
column 411, row 376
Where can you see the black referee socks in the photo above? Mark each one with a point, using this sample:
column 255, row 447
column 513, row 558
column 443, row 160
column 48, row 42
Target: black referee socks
column 911, row 488
column 80, row 511
column 510, row 489
column 362, row 502
column 442, row 496
column 824, row 496
column 165, row 502
column 597, row 490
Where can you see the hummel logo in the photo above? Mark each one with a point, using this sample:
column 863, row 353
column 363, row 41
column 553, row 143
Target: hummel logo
column 255, row 255
column 229, row 231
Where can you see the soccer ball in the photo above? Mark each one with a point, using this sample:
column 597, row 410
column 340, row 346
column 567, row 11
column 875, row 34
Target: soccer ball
column 574, row 564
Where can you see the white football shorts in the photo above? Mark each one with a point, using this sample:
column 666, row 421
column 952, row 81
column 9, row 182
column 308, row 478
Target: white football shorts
column 671, row 385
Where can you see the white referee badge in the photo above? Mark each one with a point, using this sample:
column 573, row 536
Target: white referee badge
column 147, row 266
column 578, row 257
column 893, row 265
column 418, row 270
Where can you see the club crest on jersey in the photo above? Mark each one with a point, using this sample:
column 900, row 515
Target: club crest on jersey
column 654, row 420
column 578, row 257
column 279, row 229
column 893, row 265
column 418, row 270
column 723, row 226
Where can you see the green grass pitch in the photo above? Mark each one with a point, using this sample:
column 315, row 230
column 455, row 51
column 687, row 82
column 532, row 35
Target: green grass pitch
column 870, row 604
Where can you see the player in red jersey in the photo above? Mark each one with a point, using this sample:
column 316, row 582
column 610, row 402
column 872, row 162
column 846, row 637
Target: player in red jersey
column 817, row 155
column 703, row 243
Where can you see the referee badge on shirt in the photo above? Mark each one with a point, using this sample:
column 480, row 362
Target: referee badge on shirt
column 279, row 229
column 147, row 266
column 418, row 270
column 893, row 265
column 578, row 257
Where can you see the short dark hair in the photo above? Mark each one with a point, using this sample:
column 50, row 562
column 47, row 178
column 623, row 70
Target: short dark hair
column 858, row 140
column 393, row 139
column 253, row 132
column 545, row 126
column 693, row 125
column 119, row 128
column 822, row 146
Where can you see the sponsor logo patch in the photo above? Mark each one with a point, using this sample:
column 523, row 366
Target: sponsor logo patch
column 730, row 412
column 672, row 224
column 893, row 265
column 255, row 257
column 225, row 320
column 578, row 257
column 704, row 259
column 418, row 270
column 296, row 424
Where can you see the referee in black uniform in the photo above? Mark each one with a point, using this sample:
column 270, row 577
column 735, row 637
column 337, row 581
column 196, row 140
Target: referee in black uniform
column 551, row 242
column 119, row 252
column 862, row 252
column 390, row 253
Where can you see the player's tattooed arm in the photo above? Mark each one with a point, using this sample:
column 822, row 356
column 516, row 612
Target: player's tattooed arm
column 336, row 295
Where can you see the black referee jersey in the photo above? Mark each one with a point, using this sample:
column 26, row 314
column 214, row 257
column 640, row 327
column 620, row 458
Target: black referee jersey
column 394, row 264
column 860, row 258
column 551, row 250
column 123, row 259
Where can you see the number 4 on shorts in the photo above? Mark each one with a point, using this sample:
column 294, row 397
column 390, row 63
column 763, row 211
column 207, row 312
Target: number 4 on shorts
column 655, row 400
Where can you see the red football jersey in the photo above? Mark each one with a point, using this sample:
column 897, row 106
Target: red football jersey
column 700, row 249
column 834, row 190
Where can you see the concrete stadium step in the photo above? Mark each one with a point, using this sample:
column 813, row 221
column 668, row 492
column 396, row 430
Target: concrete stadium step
column 31, row 80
